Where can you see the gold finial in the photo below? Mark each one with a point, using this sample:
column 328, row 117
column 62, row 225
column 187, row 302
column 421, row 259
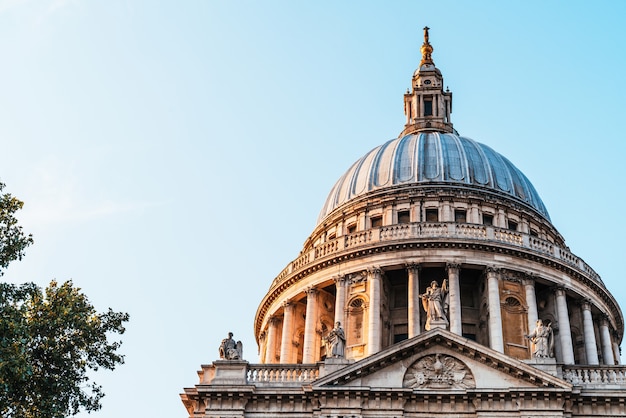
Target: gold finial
column 426, row 49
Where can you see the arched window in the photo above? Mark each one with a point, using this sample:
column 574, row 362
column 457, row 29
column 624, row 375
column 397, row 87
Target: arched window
column 515, row 327
column 355, row 328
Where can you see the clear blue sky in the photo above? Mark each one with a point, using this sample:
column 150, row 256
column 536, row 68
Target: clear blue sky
column 174, row 156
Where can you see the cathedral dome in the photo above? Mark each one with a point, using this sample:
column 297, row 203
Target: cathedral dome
column 427, row 159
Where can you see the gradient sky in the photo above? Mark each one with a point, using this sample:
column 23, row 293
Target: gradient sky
column 173, row 156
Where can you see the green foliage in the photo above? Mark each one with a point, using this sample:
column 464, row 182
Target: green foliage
column 12, row 238
column 49, row 339
column 48, row 342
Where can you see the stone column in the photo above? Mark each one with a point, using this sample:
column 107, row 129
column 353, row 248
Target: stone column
column 589, row 334
column 270, row 356
column 500, row 219
column 374, row 278
column 262, row 347
column 446, row 214
column 340, row 300
column 565, row 333
column 308, row 351
column 474, row 214
column 454, row 288
column 616, row 352
column 531, row 301
column 496, row 339
column 286, row 346
column 389, row 214
column 414, row 299
column 525, row 226
column 605, row 339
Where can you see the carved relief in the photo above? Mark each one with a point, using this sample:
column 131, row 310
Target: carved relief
column 438, row 371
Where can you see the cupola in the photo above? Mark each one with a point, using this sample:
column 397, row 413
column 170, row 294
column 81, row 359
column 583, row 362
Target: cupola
column 427, row 106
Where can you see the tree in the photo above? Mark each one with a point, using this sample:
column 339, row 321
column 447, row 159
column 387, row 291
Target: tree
column 49, row 339
column 12, row 238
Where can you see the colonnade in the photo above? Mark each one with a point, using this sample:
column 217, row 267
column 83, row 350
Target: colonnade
column 374, row 278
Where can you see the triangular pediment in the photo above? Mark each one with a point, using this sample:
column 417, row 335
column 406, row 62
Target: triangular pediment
column 438, row 360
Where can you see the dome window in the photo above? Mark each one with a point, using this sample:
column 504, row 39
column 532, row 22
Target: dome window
column 376, row 221
column 432, row 215
column 460, row 216
column 404, row 217
column 487, row 219
column 351, row 229
column 512, row 225
column 428, row 106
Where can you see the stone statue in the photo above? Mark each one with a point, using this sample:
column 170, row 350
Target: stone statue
column 542, row 338
column 337, row 341
column 435, row 303
column 231, row 350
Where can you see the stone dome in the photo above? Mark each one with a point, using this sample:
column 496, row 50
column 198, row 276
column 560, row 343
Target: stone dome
column 434, row 207
column 432, row 159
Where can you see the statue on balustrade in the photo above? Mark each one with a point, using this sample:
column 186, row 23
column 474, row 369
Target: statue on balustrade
column 231, row 350
column 435, row 303
column 542, row 338
column 336, row 339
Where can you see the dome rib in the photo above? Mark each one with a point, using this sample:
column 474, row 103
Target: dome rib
column 426, row 158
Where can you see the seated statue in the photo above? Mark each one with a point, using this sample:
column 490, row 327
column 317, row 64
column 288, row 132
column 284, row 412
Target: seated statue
column 231, row 350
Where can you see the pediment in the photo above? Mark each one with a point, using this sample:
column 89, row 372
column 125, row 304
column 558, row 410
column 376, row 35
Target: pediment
column 440, row 360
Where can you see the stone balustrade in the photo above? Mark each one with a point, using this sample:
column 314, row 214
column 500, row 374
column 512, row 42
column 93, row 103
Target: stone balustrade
column 587, row 377
column 281, row 374
column 434, row 230
column 596, row 377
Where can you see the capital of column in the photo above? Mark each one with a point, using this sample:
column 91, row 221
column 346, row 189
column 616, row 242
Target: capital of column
column 287, row 304
column 341, row 280
column 272, row 320
column 453, row 266
column 311, row 291
column 492, row 270
column 529, row 280
column 375, row 271
column 413, row 266
column 559, row 290
column 585, row 304
column 604, row 319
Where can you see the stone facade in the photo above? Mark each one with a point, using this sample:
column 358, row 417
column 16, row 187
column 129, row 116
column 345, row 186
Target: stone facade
column 430, row 206
column 437, row 373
